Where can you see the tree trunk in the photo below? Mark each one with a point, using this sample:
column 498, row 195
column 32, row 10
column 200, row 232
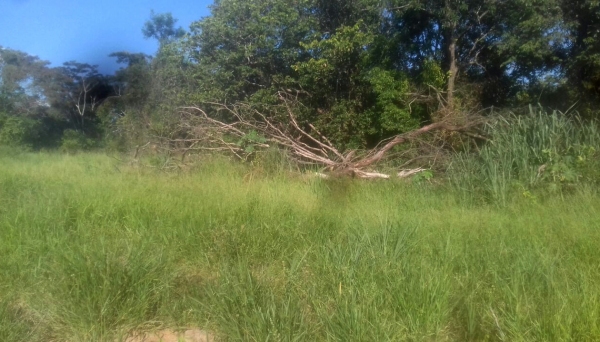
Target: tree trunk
column 452, row 73
column 450, row 25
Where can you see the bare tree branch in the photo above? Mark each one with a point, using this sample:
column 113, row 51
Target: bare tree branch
column 306, row 145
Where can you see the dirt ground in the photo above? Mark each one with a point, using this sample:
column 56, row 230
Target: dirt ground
column 191, row 335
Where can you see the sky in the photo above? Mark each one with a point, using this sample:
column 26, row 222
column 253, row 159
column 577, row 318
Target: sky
column 87, row 31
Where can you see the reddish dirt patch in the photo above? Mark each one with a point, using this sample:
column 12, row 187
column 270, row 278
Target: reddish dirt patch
column 191, row 335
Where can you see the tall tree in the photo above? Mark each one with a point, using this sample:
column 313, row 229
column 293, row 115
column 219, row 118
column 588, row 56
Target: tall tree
column 75, row 91
column 582, row 64
column 133, row 80
column 248, row 46
column 20, row 76
column 477, row 39
column 247, row 51
column 161, row 27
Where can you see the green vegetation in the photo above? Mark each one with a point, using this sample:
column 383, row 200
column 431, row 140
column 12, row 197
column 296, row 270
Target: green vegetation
column 498, row 239
column 536, row 154
column 93, row 248
column 360, row 71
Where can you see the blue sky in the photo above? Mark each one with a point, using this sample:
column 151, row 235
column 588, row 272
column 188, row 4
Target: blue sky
column 87, row 31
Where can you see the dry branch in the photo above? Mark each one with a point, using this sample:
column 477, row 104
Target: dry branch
column 305, row 143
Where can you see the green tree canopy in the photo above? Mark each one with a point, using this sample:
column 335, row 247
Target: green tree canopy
column 161, row 27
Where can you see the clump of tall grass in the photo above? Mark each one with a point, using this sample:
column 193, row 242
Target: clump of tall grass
column 528, row 154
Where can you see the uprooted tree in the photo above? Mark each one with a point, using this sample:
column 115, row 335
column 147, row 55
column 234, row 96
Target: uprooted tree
column 243, row 128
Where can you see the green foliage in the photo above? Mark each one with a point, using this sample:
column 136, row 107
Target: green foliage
column 334, row 54
column 249, row 141
column 538, row 152
column 350, row 64
column 582, row 63
column 336, row 65
column 247, row 46
column 75, row 93
column 21, row 82
column 363, row 102
column 134, row 80
column 391, row 88
column 352, row 68
column 73, row 141
column 161, row 27
column 346, row 126
column 20, row 132
column 43, row 100
column 423, row 176
column 433, row 75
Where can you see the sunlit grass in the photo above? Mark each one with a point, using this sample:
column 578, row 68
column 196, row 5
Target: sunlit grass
column 539, row 154
column 93, row 248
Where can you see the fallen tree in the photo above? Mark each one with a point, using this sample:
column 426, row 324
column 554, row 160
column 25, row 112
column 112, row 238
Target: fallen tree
column 244, row 129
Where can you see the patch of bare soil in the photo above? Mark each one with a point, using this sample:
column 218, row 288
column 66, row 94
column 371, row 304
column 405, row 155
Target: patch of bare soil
column 168, row 335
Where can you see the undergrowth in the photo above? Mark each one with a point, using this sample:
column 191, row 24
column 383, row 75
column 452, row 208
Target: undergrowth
column 533, row 156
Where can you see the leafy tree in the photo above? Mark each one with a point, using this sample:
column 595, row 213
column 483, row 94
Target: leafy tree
column 133, row 80
column 132, row 88
column 479, row 41
column 582, row 63
column 20, row 75
column 161, row 27
column 333, row 14
column 131, row 59
column 247, row 47
column 247, row 51
column 360, row 70
column 148, row 90
column 75, row 92
column 358, row 102
column 19, row 131
column 53, row 97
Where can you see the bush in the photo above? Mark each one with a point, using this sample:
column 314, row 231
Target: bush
column 73, row 141
column 18, row 131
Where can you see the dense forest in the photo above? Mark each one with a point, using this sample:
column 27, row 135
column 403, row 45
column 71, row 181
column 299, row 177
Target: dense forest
column 331, row 77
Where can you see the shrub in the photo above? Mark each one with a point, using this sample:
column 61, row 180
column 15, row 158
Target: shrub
column 74, row 141
column 18, row 131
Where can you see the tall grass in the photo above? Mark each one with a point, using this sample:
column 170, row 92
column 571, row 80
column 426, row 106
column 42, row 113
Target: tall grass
column 93, row 249
column 528, row 154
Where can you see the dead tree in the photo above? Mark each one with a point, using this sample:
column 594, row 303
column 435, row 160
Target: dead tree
column 305, row 142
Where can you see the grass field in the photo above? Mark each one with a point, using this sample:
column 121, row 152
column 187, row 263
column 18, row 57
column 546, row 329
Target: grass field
column 92, row 249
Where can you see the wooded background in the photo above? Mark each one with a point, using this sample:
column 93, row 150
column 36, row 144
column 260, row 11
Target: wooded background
column 353, row 73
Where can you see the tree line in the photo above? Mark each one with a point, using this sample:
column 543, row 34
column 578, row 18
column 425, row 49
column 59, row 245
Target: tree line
column 358, row 71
